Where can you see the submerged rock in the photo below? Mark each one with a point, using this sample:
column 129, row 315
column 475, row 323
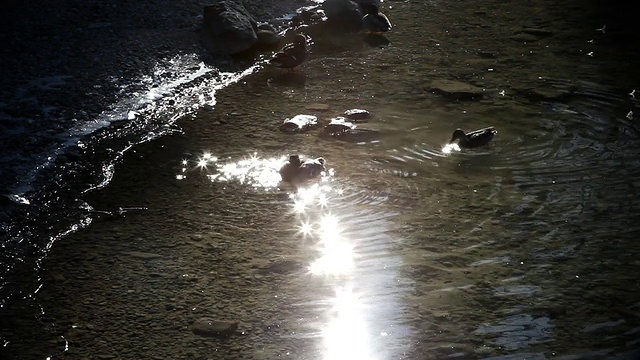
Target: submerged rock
column 317, row 107
column 299, row 123
column 456, row 89
column 228, row 28
column 342, row 129
column 281, row 267
column 213, row 328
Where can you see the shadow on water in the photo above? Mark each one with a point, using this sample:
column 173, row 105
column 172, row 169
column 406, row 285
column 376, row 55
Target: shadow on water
column 525, row 248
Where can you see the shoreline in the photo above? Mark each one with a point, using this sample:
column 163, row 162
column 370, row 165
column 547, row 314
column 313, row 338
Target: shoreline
column 122, row 49
column 66, row 66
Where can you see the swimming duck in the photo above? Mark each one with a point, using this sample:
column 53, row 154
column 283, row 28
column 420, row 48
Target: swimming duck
column 473, row 139
column 292, row 54
column 375, row 21
column 290, row 169
column 294, row 170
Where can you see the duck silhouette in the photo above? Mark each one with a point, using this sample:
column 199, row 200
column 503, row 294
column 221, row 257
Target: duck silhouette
column 296, row 170
column 473, row 139
column 291, row 55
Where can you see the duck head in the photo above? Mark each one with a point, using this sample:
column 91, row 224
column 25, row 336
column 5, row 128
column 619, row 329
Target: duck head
column 458, row 134
column 295, row 160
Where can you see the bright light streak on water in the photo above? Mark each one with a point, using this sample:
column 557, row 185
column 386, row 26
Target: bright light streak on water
column 449, row 148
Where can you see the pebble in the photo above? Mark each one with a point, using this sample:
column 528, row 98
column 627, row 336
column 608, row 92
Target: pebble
column 142, row 255
column 213, row 328
column 317, row 107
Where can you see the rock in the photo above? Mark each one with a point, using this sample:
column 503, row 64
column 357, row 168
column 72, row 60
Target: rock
column 213, row 328
column 267, row 36
column 306, row 16
column 344, row 15
column 342, row 129
column 549, row 94
column 538, row 32
column 525, row 38
column 357, row 115
column 228, row 28
column 456, row 89
column 189, row 277
column 142, row 255
column 58, row 278
column 317, row 107
column 338, row 125
column 299, row 123
column 281, row 267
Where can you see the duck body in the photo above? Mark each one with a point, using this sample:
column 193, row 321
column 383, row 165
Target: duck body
column 295, row 170
column 374, row 21
column 291, row 55
column 311, row 168
column 473, row 139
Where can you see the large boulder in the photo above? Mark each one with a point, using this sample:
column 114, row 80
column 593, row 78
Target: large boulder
column 345, row 15
column 228, row 28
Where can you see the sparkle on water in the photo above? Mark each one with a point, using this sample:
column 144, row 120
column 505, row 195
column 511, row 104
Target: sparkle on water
column 344, row 334
column 449, row 148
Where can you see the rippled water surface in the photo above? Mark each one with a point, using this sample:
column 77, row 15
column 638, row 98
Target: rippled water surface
column 523, row 249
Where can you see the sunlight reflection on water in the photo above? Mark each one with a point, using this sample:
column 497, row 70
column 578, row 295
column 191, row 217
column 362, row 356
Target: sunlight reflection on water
column 346, row 335
column 253, row 170
column 334, row 226
column 449, row 148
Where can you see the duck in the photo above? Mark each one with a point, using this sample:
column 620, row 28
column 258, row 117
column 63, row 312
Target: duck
column 295, row 170
column 311, row 168
column 292, row 54
column 289, row 170
column 473, row 139
column 374, row 21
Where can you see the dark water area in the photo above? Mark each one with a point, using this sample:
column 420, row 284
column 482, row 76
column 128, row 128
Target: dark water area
column 524, row 249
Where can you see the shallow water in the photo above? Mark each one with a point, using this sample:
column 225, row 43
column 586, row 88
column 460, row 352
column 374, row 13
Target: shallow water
column 521, row 249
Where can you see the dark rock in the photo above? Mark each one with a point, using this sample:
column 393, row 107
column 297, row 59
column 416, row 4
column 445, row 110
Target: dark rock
column 281, row 267
column 357, row 115
column 307, row 17
column 344, row 15
column 267, row 38
column 299, row 123
column 214, row 328
column 228, row 28
column 266, row 26
column 538, row 32
column 525, row 38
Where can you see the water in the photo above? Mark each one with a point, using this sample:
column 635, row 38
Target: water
column 522, row 249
